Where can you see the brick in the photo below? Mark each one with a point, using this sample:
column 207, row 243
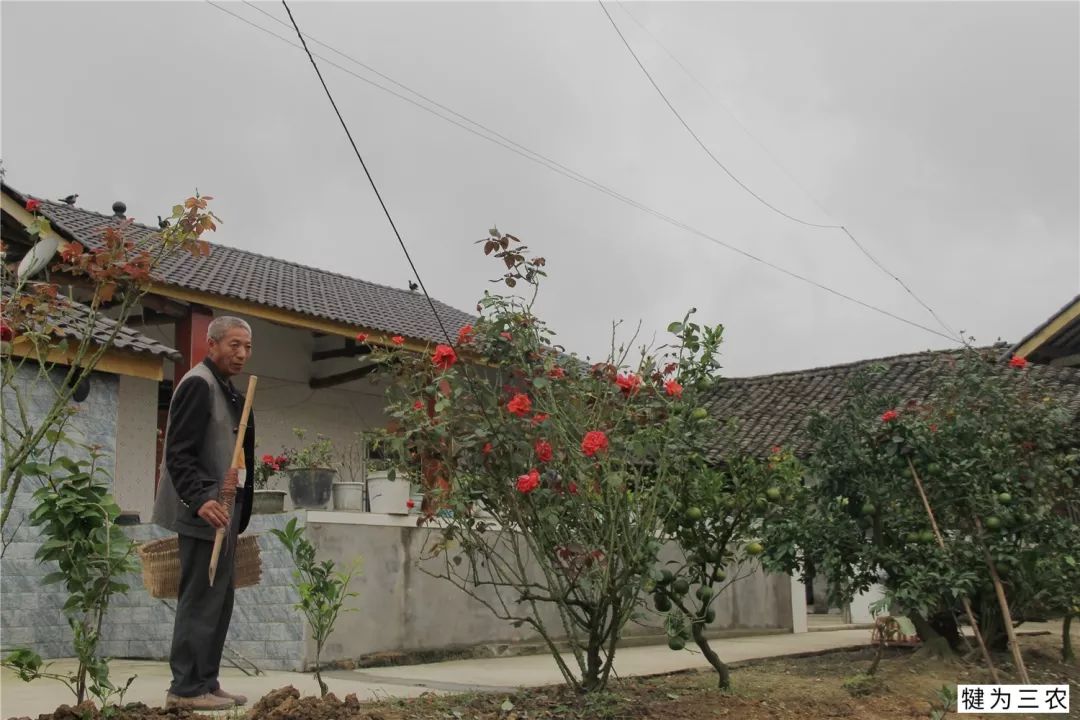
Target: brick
column 148, row 649
column 250, row 649
column 18, row 636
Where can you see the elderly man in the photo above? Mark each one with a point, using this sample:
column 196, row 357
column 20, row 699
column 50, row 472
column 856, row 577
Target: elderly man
column 204, row 419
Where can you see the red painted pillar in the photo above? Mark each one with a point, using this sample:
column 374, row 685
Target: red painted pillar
column 191, row 342
column 191, row 338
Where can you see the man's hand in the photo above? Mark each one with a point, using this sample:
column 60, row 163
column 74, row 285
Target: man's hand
column 214, row 513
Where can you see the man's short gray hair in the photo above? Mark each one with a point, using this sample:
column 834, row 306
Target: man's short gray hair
column 221, row 325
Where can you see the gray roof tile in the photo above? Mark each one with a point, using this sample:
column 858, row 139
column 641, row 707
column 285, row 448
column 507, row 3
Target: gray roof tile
column 773, row 410
column 272, row 282
column 72, row 319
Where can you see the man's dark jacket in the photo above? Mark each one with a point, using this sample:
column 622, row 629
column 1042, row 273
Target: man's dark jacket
column 204, row 418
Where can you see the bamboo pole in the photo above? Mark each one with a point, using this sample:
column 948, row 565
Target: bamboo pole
column 1003, row 603
column 238, row 465
column 967, row 603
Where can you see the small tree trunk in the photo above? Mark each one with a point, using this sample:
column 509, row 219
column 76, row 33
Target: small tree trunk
column 1067, row 654
column 323, row 689
column 933, row 644
column 877, row 658
column 724, row 676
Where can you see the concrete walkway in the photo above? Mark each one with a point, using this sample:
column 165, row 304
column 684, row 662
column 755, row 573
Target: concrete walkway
column 18, row 699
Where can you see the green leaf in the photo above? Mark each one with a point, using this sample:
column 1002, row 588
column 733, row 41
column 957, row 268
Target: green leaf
column 675, row 328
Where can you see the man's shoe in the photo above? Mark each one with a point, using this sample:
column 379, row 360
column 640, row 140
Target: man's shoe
column 206, row 701
column 238, row 699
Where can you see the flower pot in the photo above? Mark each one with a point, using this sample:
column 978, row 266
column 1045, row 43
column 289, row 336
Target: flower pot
column 388, row 496
column 268, row 502
column 349, row 496
column 310, row 488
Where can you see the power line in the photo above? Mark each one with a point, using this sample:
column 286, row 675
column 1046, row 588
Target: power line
column 747, row 188
column 557, row 167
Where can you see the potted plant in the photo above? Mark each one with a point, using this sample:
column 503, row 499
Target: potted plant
column 388, row 485
column 311, row 472
column 349, row 494
column 268, row 502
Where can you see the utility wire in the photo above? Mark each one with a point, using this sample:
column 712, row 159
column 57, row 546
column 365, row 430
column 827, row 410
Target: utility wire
column 750, row 191
column 386, row 211
column 560, row 169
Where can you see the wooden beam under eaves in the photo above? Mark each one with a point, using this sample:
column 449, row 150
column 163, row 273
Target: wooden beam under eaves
column 351, row 349
column 342, row 378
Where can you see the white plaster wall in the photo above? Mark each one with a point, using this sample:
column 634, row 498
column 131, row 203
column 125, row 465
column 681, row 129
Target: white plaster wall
column 136, row 437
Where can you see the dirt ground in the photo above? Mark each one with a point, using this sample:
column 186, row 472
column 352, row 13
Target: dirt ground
column 808, row 688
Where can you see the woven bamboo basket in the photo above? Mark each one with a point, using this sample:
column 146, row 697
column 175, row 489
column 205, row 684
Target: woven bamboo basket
column 161, row 565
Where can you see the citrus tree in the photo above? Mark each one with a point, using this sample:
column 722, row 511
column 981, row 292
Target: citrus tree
column 963, row 498
column 551, row 476
column 721, row 512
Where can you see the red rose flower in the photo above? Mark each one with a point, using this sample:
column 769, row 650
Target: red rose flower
column 487, row 449
column 528, row 482
column 281, row 459
column 673, row 388
column 519, row 405
column 557, row 373
column 1018, row 362
column 539, row 418
column 268, row 459
column 628, row 383
column 543, row 451
column 775, row 450
column 397, row 340
column 418, row 405
column 889, row 416
column 444, row 357
column 594, row 441
column 572, row 488
column 6, row 333
column 410, row 504
column 465, row 335
column 32, row 205
column 361, row 337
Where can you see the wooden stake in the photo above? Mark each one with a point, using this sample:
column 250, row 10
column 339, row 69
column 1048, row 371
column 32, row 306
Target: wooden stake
column 1003, row 603
column 967, row 603
column 238, row 465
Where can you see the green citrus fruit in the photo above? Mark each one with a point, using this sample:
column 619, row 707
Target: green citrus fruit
column 719, row 575
column 710, row 615
column 662, row 602
column 693, row 513
column 869, row 509
column 676, row 643
column 773, row 494
column 666, row 577
column 699, row 413
column 1005, row 498
column 926, row 536
column 993, row 522
column 681, row 586
column 755, row 548
column 704, row 593
column 911, row 537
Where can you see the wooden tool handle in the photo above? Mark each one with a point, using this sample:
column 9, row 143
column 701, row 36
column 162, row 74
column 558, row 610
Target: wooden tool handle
column 237, row 464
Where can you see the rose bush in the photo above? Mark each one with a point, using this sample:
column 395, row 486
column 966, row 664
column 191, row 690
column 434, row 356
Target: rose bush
column 553, row 476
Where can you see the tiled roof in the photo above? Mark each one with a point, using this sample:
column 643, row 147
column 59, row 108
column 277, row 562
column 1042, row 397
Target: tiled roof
column 773, row 410
column 72, row 319
column 268, row 281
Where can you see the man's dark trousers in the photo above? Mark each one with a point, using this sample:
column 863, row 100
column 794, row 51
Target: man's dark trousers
column 202, row 613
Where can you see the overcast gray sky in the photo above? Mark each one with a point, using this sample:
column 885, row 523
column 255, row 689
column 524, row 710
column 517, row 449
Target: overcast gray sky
column 943, row 135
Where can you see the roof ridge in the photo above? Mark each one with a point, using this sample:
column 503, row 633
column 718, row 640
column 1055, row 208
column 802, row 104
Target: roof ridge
column 409, row 293
column 833, row 369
